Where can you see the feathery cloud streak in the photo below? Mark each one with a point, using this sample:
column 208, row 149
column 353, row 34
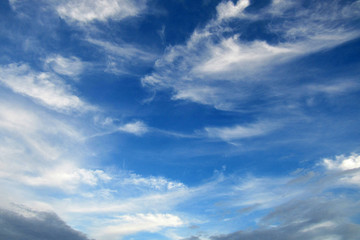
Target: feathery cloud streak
column 217, row 58
column 44, row 87
column 80, row 11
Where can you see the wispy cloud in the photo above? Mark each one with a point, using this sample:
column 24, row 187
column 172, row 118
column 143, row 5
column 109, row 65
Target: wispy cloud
column 333, row 89
column 304, row 205
column 66, row 176
column 71, row 66
column 218, row 66
column 127, row 204
column 137, row 128
column 128, row 224
column 314, row 218
column 125, row 51
column 159, row 183
column 238, row 61
column 268, row 198
column 239, row 132
column 228, row 9
column 122, row 57
column 43, row 87
column 291, row 207
column 88, row 11
column 47, row 157
column 38, row 145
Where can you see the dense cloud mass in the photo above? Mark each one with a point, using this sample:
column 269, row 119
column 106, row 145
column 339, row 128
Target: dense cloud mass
column 35, row 226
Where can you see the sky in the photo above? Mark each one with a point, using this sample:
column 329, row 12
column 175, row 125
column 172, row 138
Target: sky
column 179, row 119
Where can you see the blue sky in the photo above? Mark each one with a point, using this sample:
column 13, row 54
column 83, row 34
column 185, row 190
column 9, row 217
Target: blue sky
column 179, row 119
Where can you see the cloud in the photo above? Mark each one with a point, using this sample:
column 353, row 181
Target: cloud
column 35, row 225
column 66, row 177
column 125, row 51
column 336, row 88
column 348, row 164
column 85, row 11
column 71, row 66
column 314, row 218
column 312, row 204
column 129, row 224
column 42, row 163
column 231, row 54
column 305, row 204
column 52, row 149
column 228, row 9
column 122, row 57
column 220, row 66
column 192, row 238
column 157, row 183
column 137, row 128
column 342, row 163
column 129, row 193
column 126, row 204
column 231, row 133
column 30, row 127
column 43, row 87
column 110, row 126
column 239, row 132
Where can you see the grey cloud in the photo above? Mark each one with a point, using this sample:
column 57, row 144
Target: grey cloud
column 35, row 226
column 315, row 205
column 315, row 218
column 192, row 238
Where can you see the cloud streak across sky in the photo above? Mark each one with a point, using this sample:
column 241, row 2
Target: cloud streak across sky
column 179, row 120
column 209, row 64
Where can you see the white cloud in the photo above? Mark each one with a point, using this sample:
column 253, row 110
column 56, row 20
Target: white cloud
column 119, row 193
column 336, row 88
column 231, row 55
column 121, row 57
column 158, row 183
column 218, row 67
column 40, row 151
column 228, row 9
column 137, row 128
column 124, row 205
column 345, row 164
column 270, row 192
column 124, row 210
column 125, row 200
column 125, row 51
column 71, row 66
column 239, row 132
column 199, row 94
column 43, row 87
column 34, row 146
column 130, row 224
column 85, row 11
column 302, row 206
column 327, row 224
column 342, row 162
column 66, row 176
